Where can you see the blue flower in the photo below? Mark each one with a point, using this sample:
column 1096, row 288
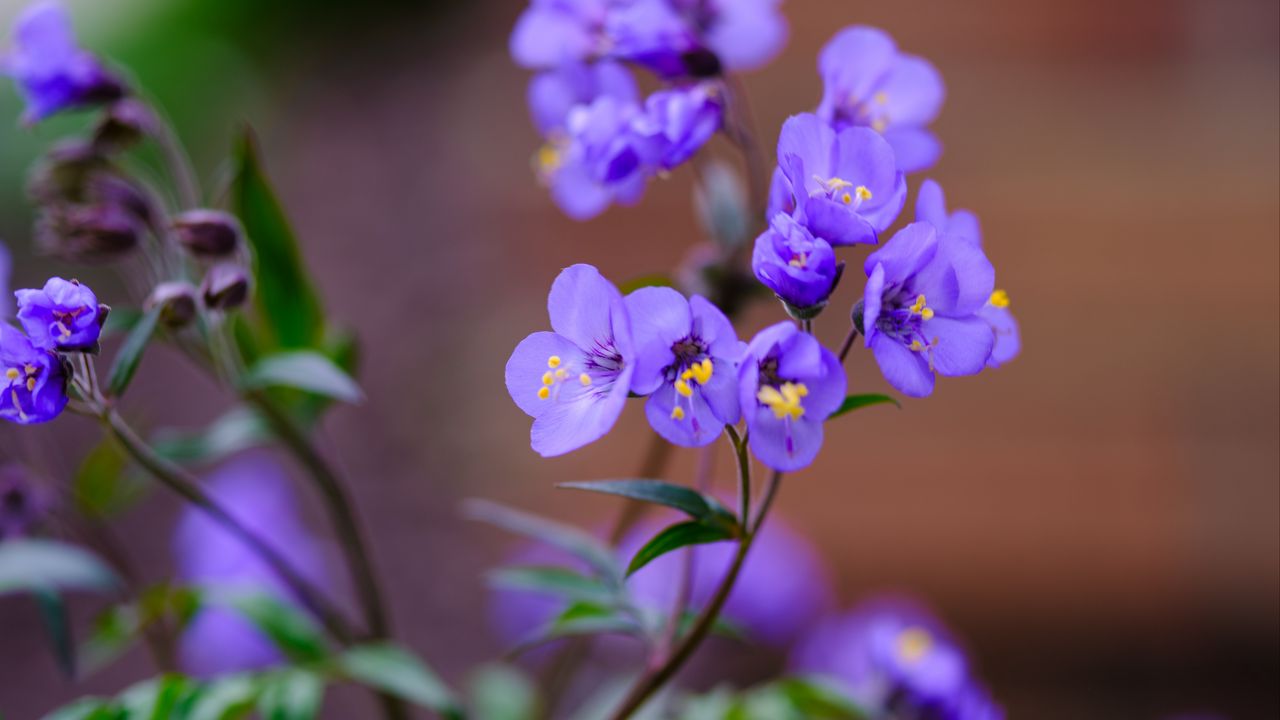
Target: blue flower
column 680, row 121
column 52, row 72
column 844, row 187
column 788, row 385
column 743, row 34
column 686, row 362
column 33, row 388
column 923, row 293
column 63, row 315
column 555, row 93
column 868, row 83
column 996, row 313
column 574, row 381
column 799, row 268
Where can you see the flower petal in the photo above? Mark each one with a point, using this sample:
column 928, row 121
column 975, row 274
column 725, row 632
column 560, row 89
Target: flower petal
column 914, row 149
column 660, row 318
column 959, row 346
column 1008, row 342
column 784, row 445
column 579, row 305
column 910, row 249
column 905, row 370
column 528, row 364
column 698, row 425
column 581, row 416
column 913, row 91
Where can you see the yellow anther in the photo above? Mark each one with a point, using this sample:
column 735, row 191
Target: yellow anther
column 880, row 98
column 561, row 374
column 31, row 369
column 919, row 308
column 834, row 184
column 682, row 387
column 846, row 198
column 879, row 124
column 862, row 192
column 784, row 400
column 12, row 373
column 585, row 379
column 916, row 346
column 553, row 362
column 799, row 261
column 547, row 378
column 549, row 158
column 677, row 413
column 913, row 644
column 18, row 405
column 999, row 299
column 31, row 384
column 927, row 313
column 544, row 392
column 702, row 371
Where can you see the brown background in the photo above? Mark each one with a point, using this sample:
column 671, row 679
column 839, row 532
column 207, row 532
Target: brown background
column 1099, row 519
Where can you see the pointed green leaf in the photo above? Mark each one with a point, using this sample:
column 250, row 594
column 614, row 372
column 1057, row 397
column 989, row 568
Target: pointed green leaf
column 396, row 671
column 289, row 313
column 565, row 537
column 291, row 694
column 119, row 321
column 130, row 354
column 288, row 626
column 53, row 611
column 581, row 619
column 558, row 581
column 229, row 697
column 855, row 402
column 676, row 537
column 684, row 499
column 304, row 370
column 29, row 564
column 156, row 698
column 502, row 692
column 237, row 429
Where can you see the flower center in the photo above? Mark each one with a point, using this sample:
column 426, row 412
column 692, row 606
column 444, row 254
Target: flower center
column 29, row 372
column 556, row 375
column 870, row 114
column 913, row 644
column 784, row 400
column 698, row 373
column 838, row 189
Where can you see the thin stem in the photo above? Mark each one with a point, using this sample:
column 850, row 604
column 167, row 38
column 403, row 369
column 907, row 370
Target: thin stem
column 807, row 325
column 744, row 473
column 770, row 492
column 848, row 342
column 180, row 167
column 183, row 483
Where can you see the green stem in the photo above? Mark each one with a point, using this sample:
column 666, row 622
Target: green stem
column 848, row 342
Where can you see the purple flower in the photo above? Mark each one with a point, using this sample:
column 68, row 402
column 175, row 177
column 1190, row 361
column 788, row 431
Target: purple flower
column 680, row 121
column 924, row 290
column 6, row 266
column 788, row 385
column 555, row 93
column 52, row 72
column 256, row 491
column 34, row 386
column 931, row 207
column 799, row 268
column 555, row 32
column 743, row 34
column 867, row 82
column 24, row 503
column 600, row 159
column 574, row 381
column 897, row 659
column 843, row 186
column 651, row 33
column 63, row 315
column 686, row 362
column 996, row 313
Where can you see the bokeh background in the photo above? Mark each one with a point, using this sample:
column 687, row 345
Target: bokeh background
column 1100, row 520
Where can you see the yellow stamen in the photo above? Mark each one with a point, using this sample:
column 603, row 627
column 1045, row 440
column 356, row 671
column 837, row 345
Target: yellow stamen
column 31, row 369
column 919, row 308
column 913, row 644
column 879, row 124
column 784, row 400
column 927, row 313
column 862, row 192
column 544, row 392
column 553, row 362
column 31, row 384
column 547, row 378
column 880, row 98
column 702, row 371
column 916, row 346
column 799, row 261
column 12, row 374
column 846, row 198
column 682, row 387
column 999, row 299
column 549, row 158
column 677, row 413
column 585, row 379
column 561, row 374
column 22, row 415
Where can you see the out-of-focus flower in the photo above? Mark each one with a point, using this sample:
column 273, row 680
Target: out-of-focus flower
column 6, row 267
column 125, row 123
column 897, row 659
column 923, row 293
column 63, row 315
column 681, row 121
column 34, row 385
column 743, row 34
column 686, row 362
column 256, row 491
column 176, row 300
column 553, row 94
column 799, row 268
column 651, row 33
column 54, row 73
column 600, row 159
column 208, row 233
column 574, row 381
column 997, row 314
column 24, row 503
column 868, row 82
column 225, row 286
column 843, row 186
column 555, row 32
column 88, row 233
column 788, row 385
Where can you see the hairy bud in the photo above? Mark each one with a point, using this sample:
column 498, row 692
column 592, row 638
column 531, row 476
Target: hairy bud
column 208, row 233
column 225, row 286
column 176, row 301
column 125, row 123
column 87, row 234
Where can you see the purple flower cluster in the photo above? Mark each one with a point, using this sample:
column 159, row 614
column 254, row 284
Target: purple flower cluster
column 896, row 660
column 51, row 71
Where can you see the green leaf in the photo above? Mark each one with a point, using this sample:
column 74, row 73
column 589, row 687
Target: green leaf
column 644, row 281
column 396, row 671
column 304, row 370
column 581, row 619
column 88, row 708
column 225, row 698
column 28, row 564
column 238, row 429
column 288, row 626
column 675, row 537
column 558, row 581
column 114, row 631
column 291, row 694
column 53, row 611
column 855, row 402
column 156, row 698
column 100, row 487
column 130, row 354
column 687, row 500
column 502, row 692
column 566, row 537
column 818, row 699
column 288, row 309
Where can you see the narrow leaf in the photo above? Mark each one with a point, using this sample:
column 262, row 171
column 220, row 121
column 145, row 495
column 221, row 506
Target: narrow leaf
column 238, row 429
column 119, row 321
column 288, row 626
column 53, row 611
column 130, row 354
column 291, row 694
column 155, row 699
column 304, row 370
column 674, row 538
column 47, row 564
column 557, row 581
column 578, row 620
column 565, row 537
column 855, row 402
column 684, row 499
column 502, row 692
column 226, row 697
column 395, row 671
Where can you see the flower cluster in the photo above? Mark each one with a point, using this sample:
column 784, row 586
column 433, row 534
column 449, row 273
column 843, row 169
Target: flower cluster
column 896, row 660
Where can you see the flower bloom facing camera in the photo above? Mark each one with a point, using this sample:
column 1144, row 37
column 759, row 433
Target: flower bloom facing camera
column 920, row 306
column 574, row 380
column 33, row 383
column 53, row 73
column 868, row 83
column 799, row 268
column 63, row 315
column 686, row 362
column 788, row 385
column 844, row 187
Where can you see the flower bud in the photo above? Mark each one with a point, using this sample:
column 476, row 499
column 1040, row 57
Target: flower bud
column 108, row 188
column 177, row 303
column 88, row 233
column 61, row 175
column 125, row 123
column 225, row 286
column 208, row 233
column 856, row 316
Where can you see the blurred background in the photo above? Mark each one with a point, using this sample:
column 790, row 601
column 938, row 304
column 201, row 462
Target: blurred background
column 1100, row 520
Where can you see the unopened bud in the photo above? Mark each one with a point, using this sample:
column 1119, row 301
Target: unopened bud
column 125, row 123
column 176, row 301
column 856, row 317
column 88, row 234
column 61, row 175
column 208, row 233
column 225, row 286
column 108, row 188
